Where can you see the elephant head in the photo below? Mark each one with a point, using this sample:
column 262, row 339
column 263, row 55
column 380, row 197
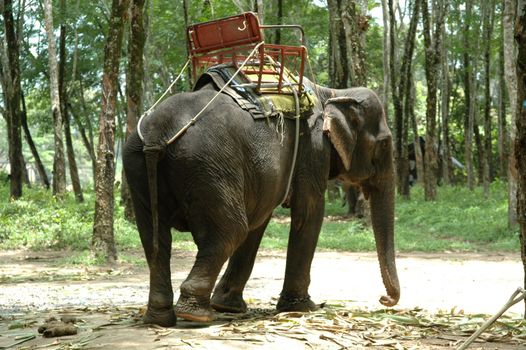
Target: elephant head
column 356, row 126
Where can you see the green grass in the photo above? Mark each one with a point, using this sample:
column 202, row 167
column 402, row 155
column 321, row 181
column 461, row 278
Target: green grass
column 460, row 220
column 40, row 221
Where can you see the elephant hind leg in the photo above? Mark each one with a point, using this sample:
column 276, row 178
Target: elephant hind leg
column 215, row 246
column 160, row 301
column 228, row 294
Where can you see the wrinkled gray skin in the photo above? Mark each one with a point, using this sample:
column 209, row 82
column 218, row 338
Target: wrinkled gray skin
column 222, row 179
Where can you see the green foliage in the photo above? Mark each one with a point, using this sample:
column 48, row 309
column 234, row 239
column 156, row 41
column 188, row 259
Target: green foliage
column 39, row 221
column 460, row 220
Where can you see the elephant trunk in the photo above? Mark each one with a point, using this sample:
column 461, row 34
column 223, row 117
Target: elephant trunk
column 152, row 158
column 381, row 199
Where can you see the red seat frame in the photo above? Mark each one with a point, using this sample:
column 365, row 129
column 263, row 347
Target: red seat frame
column 230, row 40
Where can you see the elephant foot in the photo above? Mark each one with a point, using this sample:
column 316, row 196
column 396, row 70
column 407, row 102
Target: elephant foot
column 288, row 303
column 160, row 317
column 194, row 309
column 228, row 302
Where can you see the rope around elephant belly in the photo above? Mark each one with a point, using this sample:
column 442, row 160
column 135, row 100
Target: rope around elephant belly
column 296, row 140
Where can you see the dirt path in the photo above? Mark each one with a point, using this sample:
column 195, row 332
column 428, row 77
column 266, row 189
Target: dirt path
column 109, row 301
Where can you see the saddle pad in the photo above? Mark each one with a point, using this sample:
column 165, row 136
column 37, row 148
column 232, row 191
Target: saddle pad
column 268, row 104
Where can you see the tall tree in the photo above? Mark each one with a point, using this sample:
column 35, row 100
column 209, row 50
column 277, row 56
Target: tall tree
column 520, row 139
column 29, row 139
column 134, row 85
column 488, row 24
column 401, row 90
column 385, row 59
column 339, row 72
column 103, row 242
column 59, row 164
column 259, row 9
column 445, row 94
column 469, row 93
column 432, row 45
column 510, row 64
column 63, row 96
column 355, row 24
column 503, row 137
column 348, row 25
column 13, row 92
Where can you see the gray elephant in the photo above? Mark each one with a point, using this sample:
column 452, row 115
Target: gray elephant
column 222, row 179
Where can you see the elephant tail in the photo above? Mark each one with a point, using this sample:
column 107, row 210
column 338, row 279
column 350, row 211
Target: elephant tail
column 152, row 155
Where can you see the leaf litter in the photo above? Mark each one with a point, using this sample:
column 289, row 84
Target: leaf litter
column 331, row 327
column 385, row 328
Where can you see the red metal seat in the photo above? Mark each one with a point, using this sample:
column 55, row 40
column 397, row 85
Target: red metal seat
column 230, row 40
column 224, row 33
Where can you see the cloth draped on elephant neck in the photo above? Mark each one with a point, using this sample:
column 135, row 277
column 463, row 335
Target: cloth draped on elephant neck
column 260, row 105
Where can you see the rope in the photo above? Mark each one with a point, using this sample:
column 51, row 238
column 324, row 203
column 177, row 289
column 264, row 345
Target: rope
column 194, row 119
column 517, row 296
column 296, row 140
column 159, row 100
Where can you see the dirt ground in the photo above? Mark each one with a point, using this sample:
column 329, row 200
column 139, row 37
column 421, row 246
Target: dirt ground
column 107, row 303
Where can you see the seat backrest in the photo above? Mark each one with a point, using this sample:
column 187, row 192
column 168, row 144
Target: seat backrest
column 224, row 33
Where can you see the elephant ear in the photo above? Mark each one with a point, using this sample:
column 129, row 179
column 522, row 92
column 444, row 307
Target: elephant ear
column 383, row 150
column 342, row 123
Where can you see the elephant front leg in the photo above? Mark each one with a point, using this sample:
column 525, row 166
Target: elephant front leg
column 307, row 217
column 228, row 294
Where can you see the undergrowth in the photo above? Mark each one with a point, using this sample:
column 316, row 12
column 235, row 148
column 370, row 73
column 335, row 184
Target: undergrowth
column 460, row 220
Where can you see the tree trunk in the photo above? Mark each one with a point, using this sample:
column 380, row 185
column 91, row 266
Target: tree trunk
column 510, row 55
column 29, row 139
column 480, row 153
column 419, row 158
column 385, row 61
column 279, row 21
column 405, row 93
column 503, row 137
column 13, row 93
column 520, row 140
column 258, row 8
column 399, row 91
column 468, row 115
column 488, row 24
column 90, row 146
column 134, row 87
column 103, row 242
column 432, row 55
column 355, row 25
column 62, row 85
column 59, row 164
column 339, row 72
column 87, row 142
column 446, row 151
column 145, row 24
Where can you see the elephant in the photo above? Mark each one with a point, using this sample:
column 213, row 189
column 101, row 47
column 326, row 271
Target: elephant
column 222, row 179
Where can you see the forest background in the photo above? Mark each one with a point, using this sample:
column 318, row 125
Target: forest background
column 76, row 75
